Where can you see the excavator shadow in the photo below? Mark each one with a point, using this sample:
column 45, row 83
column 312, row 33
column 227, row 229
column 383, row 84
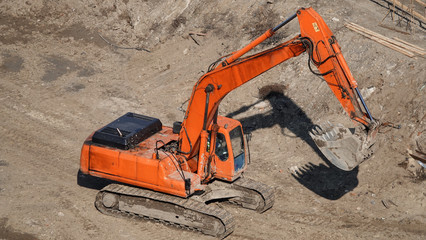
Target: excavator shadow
column 325, row 180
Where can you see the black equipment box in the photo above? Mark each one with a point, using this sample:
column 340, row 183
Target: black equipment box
column 127, row 131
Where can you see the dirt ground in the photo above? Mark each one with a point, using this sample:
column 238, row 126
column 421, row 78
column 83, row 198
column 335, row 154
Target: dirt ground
column 60, row 80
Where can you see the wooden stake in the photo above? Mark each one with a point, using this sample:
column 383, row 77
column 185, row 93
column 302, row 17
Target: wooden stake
column 401, row 44
column 374, row 36
column 421, row 50
column 421, row 3
column 407, row 9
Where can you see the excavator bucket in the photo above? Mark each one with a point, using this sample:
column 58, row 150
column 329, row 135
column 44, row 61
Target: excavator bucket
column 344, row 147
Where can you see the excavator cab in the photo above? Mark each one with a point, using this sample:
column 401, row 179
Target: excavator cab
column 231, row 151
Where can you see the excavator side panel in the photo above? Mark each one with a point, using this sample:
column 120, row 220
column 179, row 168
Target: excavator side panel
column 139, row 166
column 104, row 160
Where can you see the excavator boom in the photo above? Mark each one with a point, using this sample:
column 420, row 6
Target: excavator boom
column 324, row 52
column 223, row 80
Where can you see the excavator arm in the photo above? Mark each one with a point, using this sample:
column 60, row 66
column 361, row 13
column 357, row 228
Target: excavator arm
column 233, row 71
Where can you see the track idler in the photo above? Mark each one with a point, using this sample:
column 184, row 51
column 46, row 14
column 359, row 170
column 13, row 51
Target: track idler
column 344, row 147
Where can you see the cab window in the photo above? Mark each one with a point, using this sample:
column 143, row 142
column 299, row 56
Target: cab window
column 221, row 147
column 237, row 141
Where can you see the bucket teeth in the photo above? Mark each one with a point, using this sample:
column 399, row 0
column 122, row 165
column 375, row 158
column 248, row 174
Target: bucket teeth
column 329, row 136
column 316, row 131
column 326, row 132
column 342, row 148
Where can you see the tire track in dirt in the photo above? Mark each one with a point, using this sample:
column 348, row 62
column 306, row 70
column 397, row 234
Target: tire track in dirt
column 354, row 224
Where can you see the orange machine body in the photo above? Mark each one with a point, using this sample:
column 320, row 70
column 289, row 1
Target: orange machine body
column 207, row 146
column 145, row 167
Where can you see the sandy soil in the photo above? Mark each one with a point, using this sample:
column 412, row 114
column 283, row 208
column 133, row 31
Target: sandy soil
column 59, row 81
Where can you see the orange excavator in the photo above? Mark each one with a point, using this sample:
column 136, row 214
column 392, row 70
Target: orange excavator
column 172, row 174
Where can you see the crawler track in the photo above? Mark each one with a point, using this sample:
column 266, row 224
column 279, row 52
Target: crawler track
column 121, row 200
column 262, row 196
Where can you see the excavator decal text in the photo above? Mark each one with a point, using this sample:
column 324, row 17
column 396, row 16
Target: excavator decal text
column 316, row 28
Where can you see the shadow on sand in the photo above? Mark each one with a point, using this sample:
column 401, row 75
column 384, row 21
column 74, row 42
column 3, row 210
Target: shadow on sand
column 325, row 180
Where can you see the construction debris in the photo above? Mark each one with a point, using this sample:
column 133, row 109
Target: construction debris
column 419, row 156
column 387, row 203
column 409, row 9
column 415, row 168
column 191, row 35
column 396, row 44
column 406, row 12
column 121, row 47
